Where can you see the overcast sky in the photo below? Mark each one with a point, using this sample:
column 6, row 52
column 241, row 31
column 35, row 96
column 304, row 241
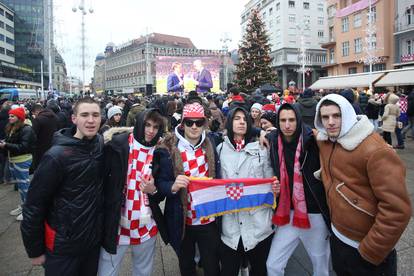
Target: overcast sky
column 204, row 22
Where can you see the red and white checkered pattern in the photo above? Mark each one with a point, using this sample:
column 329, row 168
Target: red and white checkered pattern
column 194, row 110
column 234, row 190
column 403, row 104
column 194, row 164
column 136, row 224
column 239, row 144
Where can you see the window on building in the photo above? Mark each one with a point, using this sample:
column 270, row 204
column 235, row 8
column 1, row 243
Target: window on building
column 278, row 6
column 320, row 7
column 292, row 18
column 306, row 5
column 10, row 53
column 345, row 48
column 375, row 67
column 9, row 40
column 278, row 20
column 374, row 41
column 9, row 16
column 10, row 29
column 1, row 11
column 357, row 20
column 320, row 34
column 345, row 24
column 291, row 4
column 352, row 70
column 1, row 37
column 270, row 11
column 2, row 50
column 1, row 24
column 408, row 14
column 264, row 15
column 320, row 20
column 409, row 44
column 373, row 14
column 331, row 11
column 358, row 45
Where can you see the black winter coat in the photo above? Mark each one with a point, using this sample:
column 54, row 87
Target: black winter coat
column 66, row 194
column 21, row 142
column 116, row 169
column 410, row 104
column 44, row 125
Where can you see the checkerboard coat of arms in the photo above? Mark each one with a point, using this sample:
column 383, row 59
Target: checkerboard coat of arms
column 234, row 190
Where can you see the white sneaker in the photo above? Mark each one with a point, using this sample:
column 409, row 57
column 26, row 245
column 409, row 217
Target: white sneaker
column 16, row 211
column 19, row 217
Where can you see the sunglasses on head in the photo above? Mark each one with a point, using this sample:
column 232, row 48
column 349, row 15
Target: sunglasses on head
column 190, row 123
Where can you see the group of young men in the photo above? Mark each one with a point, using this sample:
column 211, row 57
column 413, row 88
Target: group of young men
column 340, row 190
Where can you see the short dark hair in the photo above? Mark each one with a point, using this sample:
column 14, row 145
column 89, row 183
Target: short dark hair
column 327, row 103
column 156, row 117
column 86, row 100
column 234, row 90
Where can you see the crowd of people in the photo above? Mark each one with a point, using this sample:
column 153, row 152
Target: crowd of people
column 102, row 166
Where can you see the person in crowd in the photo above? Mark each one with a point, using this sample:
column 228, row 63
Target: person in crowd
column 389, row 118
column 364, row 181
column 373, row 108
column 247, row 234
column 4, row 119
column 350, row 96
column 18, row 147
column 175, row 82
column 255, row 113
column 363, row 100
column 176, row 117
column 202, row 77
column 63, row 119
column 188, row 152
column 216, row 114
column 302, row 212
column 63, row 213
column 306, row 105
column 45, row 124
column 268, row 121
column 136, row 108
column 410, row 115
column 114, row 119
column 132, row 214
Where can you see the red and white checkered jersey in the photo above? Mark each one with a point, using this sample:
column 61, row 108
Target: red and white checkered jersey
column 136, row 224
column 403, row 104
column 194, row 164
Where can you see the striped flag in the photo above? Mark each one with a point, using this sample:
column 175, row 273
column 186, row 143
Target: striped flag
column 216, row 197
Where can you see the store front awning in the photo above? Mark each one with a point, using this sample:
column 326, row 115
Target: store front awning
column 347, row 81
column 400, row 77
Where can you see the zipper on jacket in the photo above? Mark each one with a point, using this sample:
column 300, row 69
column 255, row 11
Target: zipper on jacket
column 329, row 167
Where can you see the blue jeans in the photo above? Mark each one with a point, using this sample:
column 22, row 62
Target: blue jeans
column 19, row 173
column 400, row 139
column 410, row 126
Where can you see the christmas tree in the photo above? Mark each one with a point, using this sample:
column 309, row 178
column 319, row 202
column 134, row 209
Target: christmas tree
column 254, row 68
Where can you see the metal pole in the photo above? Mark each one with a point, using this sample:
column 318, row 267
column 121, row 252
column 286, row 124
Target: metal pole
column 303, row 62
column 41, row 79
column 147, row 61
column 83, row 45
column 50, row 45
column 370, row 48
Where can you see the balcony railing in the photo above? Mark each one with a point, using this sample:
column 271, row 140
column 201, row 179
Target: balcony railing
column 401, row 27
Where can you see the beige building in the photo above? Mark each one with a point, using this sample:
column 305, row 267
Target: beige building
column 347, row 36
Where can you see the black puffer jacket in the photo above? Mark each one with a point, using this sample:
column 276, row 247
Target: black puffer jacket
column 64, row 207
column 309, row 160
column 21, row 141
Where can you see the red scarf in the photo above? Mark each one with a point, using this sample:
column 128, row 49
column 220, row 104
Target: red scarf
column 239, row 144
column 300, row 214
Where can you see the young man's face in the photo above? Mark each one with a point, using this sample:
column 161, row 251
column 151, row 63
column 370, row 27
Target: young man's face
column 151, row 130
column 87, row 120
column 239, row 123
column 287, row 123
column 331, row 120
column 177, row 69
column 191, row 130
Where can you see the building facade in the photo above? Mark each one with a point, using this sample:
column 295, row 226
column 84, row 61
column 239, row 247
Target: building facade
column 7, row 41
column 126, row 66
column 404, row 33
column 288, row 23
column 347, row 46
column 99, row 74
column 32, row 22
column 59, row 73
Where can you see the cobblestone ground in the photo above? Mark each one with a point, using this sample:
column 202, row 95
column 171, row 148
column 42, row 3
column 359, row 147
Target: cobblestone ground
column 13, row 259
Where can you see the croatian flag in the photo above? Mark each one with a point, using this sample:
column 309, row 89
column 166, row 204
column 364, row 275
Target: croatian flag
column 216, row 197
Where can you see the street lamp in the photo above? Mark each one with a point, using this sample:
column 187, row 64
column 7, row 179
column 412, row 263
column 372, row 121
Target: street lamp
column 302, row 51
column 225, row 39
column 84, row 12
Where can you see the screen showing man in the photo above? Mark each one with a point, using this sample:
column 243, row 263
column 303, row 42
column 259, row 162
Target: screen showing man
column 175, row 82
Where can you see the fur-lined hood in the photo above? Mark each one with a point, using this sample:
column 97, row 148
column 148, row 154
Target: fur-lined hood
column 355, row 136
column 115, row 130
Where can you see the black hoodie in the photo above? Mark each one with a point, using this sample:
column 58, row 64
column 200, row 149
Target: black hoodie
column 229, row 126
column 309, row 161
column 139, row 128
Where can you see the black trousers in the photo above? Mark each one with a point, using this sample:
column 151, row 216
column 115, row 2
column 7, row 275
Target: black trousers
column 82, row 265
column 347, row 261
column 207, row 238
column 387, row 137
column 257, row 257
